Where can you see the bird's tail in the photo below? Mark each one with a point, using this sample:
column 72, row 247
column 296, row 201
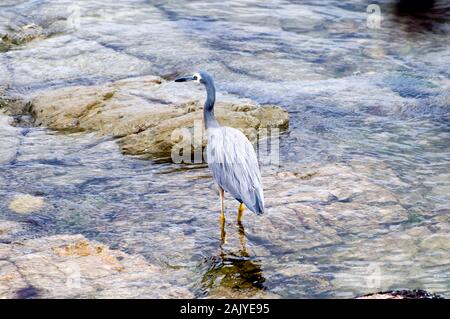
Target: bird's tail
column 259, row 203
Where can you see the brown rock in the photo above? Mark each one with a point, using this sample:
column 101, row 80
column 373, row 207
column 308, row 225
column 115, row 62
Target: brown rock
column 147, row 113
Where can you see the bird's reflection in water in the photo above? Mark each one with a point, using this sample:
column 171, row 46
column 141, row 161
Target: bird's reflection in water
column 235, row 271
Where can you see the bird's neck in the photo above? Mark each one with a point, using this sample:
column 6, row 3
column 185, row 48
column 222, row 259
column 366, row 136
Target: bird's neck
column 208, row 110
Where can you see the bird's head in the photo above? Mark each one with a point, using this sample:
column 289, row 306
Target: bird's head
column 199, row 77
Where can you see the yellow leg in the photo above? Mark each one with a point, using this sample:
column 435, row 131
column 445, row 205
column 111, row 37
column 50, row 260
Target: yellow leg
column 222, row 216
column 222, row 206
column 240, row 212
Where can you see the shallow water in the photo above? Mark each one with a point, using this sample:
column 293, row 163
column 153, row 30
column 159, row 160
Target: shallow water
column 379, row 97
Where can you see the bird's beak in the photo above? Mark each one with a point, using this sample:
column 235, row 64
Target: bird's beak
column 185, row 79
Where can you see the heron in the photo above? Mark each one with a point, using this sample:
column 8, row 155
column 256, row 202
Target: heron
column 231, row 157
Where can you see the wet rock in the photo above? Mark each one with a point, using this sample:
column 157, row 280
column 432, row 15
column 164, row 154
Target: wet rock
column 404, row 257
column 12, row 105
column 402, row 294
column 147, row 114
column 8, row 228
column 298, row 270
column 22, row 23
column 9, row 139
column 409, row 85
column 436, row 243
column 22, row 35
column 72, row 267
column 25, row 204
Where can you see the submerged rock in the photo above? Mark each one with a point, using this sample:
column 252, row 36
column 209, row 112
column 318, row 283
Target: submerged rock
column 28, row 21
column 8, row 228
column 402, row 257
column 319, row 205
column 25, row 204
column 148, row 114
column 9, row 139
column 70, row 266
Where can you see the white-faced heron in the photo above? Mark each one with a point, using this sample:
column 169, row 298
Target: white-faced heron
column 231, row 157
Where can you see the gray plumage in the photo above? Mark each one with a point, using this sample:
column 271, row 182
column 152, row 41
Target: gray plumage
column 231, row 157
column 234, row 166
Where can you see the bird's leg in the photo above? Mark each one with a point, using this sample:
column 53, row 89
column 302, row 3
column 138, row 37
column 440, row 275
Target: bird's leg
column 222, row 206
column 222, row 216
column 240, row 212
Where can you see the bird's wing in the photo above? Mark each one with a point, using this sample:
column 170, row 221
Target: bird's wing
column 234, row 165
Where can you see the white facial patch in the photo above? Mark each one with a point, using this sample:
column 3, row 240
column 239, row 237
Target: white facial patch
column 197, row 77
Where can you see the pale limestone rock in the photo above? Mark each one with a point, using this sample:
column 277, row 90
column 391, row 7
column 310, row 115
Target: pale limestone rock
column 25, row 204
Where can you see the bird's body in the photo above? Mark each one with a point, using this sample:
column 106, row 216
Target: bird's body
column 234, row 166
column 231, row 157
